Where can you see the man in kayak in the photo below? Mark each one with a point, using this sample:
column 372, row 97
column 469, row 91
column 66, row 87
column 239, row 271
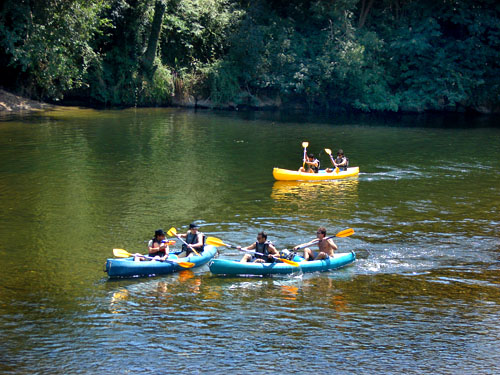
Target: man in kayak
column 326, row 246
column 265, row 251
column 340, row 162
column 311, row 164
column 194, row 239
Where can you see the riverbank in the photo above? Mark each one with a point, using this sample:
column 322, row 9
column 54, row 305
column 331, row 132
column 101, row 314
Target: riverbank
column 14, row 103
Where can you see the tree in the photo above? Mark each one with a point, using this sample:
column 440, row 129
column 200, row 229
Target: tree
column 154, row 37
column 48, row 43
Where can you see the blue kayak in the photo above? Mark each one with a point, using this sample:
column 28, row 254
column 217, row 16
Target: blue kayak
column 127, row 267
column 234, row 267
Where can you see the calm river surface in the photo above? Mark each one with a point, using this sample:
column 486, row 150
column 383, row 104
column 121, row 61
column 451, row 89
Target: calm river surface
column 422, row 298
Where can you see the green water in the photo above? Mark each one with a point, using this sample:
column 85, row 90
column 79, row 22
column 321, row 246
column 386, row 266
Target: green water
column 423, row 296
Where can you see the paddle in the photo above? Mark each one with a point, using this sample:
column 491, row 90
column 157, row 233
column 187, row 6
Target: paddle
column 173, row 232
column 218, row 242
column 304, row 144
column 329, row 152
column 122, row 253
column 343, row 233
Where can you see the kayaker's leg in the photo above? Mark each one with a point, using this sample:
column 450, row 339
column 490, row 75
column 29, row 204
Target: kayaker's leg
column 321, row 255
column 308, row 254
column 246, row 258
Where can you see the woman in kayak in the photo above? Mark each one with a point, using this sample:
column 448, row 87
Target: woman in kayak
column 311, row 165
column 194, row 239
column 326, row 247
column 264, row 250
column 158, row 248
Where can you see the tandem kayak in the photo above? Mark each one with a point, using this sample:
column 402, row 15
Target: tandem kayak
column 287, row 175
column 127, row 267
column 234, row 267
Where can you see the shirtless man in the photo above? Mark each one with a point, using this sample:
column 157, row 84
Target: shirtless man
column 326, row 247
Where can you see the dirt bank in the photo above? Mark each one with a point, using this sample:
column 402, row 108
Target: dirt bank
column 13, row 103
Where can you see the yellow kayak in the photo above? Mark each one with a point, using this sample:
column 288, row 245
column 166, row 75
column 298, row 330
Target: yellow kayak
column 288, row 175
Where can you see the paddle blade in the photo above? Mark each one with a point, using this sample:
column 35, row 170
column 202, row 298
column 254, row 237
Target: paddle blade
column 214, row 241
column 172, row 232
column 328, row 151
column 305, row 144
column 121, row 253
column 345, row 233
column 290, row 262
column 186, row 264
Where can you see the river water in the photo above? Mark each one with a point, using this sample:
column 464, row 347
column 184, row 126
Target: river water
column 422, row 297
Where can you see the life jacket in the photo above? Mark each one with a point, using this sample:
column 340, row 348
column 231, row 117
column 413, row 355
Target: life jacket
column 152, row 244
column 315, row 169
column 341, row 160
column 263, row 248
column 191, row 239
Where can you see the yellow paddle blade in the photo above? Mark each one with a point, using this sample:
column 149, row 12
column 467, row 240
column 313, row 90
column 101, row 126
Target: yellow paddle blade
column 172, row 232
column 214, row 241
column 305, row 144
column 121, row 253
column 328, row 151
column 184, row 264
column 345, row 233
column 290, row 262
column 337, row 170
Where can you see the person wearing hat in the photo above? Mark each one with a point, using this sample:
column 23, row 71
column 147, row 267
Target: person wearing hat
column 340, row 162
column 158, row 245
column 194, row 239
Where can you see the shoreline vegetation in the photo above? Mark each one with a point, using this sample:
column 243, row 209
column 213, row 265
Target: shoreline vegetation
column 412, row 56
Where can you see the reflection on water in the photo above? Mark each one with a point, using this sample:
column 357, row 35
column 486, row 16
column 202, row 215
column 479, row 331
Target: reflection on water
column 423, row 291
column 335, row 190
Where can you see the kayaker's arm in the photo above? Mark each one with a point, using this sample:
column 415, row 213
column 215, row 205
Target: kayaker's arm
column 305, row 244
column 332, row 244
column 250, row 247
column 154, row 250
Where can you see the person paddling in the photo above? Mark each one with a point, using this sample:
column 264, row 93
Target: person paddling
column 341, row 162
column 264, row 251
column 326, row 246
column 158, row 248
column 194, row 239
column 311, row 165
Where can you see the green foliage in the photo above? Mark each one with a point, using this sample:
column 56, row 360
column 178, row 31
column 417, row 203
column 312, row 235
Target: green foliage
column 196, row 31
column 159, row 90
column 369, row 56
column 51, row 45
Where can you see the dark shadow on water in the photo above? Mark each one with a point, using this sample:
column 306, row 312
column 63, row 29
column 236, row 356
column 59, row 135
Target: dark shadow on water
column 417, row 120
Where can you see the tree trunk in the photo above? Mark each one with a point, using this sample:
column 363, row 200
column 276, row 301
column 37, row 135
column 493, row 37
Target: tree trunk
column 365, row 9
column 150, row 54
